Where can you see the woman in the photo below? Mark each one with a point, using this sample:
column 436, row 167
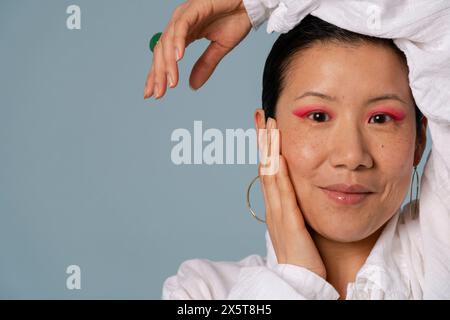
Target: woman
column 350, row 135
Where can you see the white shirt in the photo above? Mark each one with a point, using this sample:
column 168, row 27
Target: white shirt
column 411, row 258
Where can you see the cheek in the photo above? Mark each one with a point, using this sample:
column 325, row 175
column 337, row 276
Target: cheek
column 303, row 153
column 395, row 161
column 394, row 155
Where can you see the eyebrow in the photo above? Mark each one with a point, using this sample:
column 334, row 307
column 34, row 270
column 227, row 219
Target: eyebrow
column 388, row 96
column 316, row 94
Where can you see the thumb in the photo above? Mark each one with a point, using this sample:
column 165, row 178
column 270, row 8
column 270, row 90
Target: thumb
column 206, row 64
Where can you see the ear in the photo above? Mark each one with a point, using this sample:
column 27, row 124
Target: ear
column 421, row 141
column 260, row 119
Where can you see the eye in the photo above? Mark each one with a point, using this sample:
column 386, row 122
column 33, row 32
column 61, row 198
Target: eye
column 380, row 118
column 318, row 116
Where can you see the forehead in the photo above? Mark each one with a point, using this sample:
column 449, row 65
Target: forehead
column 356, row 70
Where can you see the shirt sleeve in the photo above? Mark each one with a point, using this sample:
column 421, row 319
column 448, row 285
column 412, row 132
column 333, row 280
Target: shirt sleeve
column 420, row 28
column 283, row 282
column 203, row 279
column 187, row 284
column 248, row 279
column 276, row 11
column 257, row 12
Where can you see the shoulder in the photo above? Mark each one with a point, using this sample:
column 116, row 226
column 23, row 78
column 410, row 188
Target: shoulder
column 203, row 279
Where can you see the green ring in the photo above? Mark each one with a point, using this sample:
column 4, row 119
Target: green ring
column 154, row 40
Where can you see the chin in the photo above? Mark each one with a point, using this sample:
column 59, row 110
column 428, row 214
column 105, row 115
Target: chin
column 342, row 231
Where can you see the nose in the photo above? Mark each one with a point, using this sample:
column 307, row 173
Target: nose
column 349, row 148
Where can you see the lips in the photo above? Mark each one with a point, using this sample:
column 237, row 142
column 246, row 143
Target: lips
column 348, row 188
column 347, row 194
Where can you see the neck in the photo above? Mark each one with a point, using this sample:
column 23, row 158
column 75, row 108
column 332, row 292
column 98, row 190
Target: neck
column 343, row 260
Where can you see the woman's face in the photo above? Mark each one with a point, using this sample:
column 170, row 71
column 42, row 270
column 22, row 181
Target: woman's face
column 346, row 116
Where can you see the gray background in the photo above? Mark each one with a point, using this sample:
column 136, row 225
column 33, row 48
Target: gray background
column 85, row 171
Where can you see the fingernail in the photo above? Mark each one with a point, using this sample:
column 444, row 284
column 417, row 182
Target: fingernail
column 169, row 77
column 177, row 54
column 156, row 91
column 272, row 123
column 146, row 92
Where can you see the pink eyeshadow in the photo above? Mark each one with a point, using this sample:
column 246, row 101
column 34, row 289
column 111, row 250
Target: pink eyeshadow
column 396, row 114
column 305, row 110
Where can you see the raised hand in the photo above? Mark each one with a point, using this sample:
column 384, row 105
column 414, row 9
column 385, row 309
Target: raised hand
column 291, row 240
column 224, row 22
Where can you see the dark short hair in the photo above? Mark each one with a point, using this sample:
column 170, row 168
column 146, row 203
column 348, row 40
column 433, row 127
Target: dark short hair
column 307, row 33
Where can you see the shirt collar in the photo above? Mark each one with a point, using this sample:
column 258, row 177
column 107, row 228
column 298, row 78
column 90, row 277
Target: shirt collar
column 382, row 275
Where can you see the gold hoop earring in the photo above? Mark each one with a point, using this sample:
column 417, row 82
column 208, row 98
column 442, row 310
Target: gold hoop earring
column 248, row 201
column 415, row 174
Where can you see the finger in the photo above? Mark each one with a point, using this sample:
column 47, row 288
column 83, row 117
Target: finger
column 160, row 72
column 268, row 215
column 206, row 64
column 149, row 83
column 273, row 208
column 269, row 184
column 169, row 59
column 286, row 189
column 291, row 213
column 271, row 157
column 188, row 17
column 170, row 55
column 169, row 33
column 270, row 127
column 262, row 144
